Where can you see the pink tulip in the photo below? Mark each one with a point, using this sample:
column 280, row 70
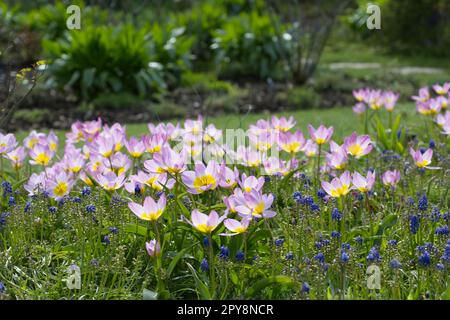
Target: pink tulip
column 360, row 95
column 204, row 178
column 389, row 100
column 153, row 248
column 424, row 95
column 59, row 186
column 7, row 143
column 291, row 142
column 250, row 183
column 359, row 108
column 235, row 226
column 442, row 90
column 17, row 157
column 358, row 146
column 205, row 223
column 110, row 181
column 135, row 147
column 321, row 135
column 310, row 149
column 363, row 184
column 41, row 155
column 338, row 186
column 150, row 210
column 256, row 205
column 282, row 124
column 421, row 160
column 391, row 178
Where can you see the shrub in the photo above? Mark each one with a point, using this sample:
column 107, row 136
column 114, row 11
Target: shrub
column 200, row 23
column 172, row 49
column 250, row 45
column 301, row 98
column 104, row 59
column 407, row 26
column 207, row 82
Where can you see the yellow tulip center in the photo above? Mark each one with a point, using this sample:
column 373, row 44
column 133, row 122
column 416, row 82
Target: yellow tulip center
column 42, row 159
column 61, row 189
column 204, row 228
column 355, row 150
column 204, row 181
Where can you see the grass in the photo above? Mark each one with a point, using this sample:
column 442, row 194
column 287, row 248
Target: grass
column 361, row 52
column 342, row 118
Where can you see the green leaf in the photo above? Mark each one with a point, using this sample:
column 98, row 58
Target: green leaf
column 388, row 222
column 175, row 260
column 202, row 288
column 381, row 132
column 260, row 285
column 136, row 229
column 446, row 294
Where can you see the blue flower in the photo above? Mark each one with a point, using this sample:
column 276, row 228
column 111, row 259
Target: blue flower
column 3, row 217
column 52, row 209
column 279, row 242
column 224, row 252
column 204, row 265
column 320, row 257
column 435, row 214
column 305, row 287
column 359, row 240
column 206, row 241
column 423, row 203
column 240, row 256
column 137, row 189
column 446, row 256
column 425, row 259
column 410, row 201
column 7, row 189
column 171, row 196
column 344, row 257
column 86, row 191
column 11, row 201
column 314, row 207
column 335, row 234
column 76, row 200
column 440, row 267
column 2, row 287
column 432, row 144
column 106, row 240
column 346, row 246
column 289, row 256
column 90, row 208
column 309, row 200
column 443, row 231
column 336, row 214
column 113, row 230
column 94, row 262
column 374, row 255
column 266, row 179
column 321, row 193
column 392, row 243
column 395, row 264
column 297, row 196
column 414, row 223
column 27, row 207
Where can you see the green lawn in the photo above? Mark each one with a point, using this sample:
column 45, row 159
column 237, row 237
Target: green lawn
column 343, row 120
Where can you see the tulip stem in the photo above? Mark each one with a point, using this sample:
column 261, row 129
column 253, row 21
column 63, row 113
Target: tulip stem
column 318, row 167
column 1, row 166
column 211, row 267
